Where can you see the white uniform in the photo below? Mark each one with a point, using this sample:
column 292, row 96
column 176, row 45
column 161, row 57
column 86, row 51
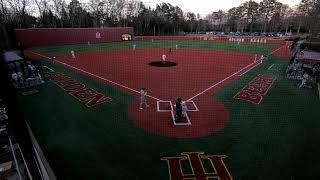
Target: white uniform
column 255, row 57
column 164, row 57
column 73, row 54
column 176, row 46
column 19, row 74
column 134, row 47
column 143, row 98
column 304, row 80
column 31, row 67
column 184, row 109
column 14, row 76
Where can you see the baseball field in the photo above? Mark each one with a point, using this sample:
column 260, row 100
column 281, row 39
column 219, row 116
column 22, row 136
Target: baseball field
column 246, row 121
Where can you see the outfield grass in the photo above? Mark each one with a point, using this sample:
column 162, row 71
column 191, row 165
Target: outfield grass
column 277, row 139
column 251, row 48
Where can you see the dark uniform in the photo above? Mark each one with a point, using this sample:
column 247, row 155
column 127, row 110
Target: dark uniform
column 178, row 109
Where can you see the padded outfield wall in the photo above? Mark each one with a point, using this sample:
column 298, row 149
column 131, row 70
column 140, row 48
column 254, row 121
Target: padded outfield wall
column 263, row 40
column 61, row 36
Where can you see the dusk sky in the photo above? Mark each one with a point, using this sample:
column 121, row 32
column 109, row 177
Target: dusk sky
column 204, row 7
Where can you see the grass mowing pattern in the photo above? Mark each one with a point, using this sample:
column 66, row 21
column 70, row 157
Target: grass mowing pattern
column 244, row 47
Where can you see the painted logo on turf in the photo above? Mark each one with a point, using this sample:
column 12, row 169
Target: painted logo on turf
column 195, row 162
column 255, row 90
column 78, row 90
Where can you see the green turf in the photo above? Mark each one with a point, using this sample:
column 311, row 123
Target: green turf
column 251, row 48
column 275, row 140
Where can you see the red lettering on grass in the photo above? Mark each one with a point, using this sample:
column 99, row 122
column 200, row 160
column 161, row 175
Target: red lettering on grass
column 84, row 95
column 78, row 90
column 245, row 95
column 74, row 87
column 256, row 89
column 67, row 82
column 98, row 99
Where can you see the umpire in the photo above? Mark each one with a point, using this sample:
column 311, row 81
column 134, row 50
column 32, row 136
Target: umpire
column 178, row 110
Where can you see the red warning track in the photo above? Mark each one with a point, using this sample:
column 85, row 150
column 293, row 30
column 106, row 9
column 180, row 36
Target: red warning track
column 198, row 74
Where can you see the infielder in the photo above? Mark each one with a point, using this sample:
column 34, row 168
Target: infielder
column 143, row 98
column 255, row 57
column 164, row 57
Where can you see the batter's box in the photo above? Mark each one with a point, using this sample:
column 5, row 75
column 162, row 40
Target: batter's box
column 164, row 106
column 192, row 107
column 183, row 122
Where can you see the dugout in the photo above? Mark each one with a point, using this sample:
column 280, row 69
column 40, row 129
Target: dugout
column 305, row 62
column 23, row 73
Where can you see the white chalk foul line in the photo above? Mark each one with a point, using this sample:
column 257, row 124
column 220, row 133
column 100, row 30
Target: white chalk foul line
column 107, row 80
column 260, row 62
column 235, row 74
column 51, row 70
column 277, row 49
column 204, row 91
column 270, row 66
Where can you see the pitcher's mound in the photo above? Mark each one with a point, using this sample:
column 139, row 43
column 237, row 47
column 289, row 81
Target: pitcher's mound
column 163, row 63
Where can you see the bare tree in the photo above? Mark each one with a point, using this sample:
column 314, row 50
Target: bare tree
column 59, row 8
column 96, row 8
column 19, row 7
column 3, row 20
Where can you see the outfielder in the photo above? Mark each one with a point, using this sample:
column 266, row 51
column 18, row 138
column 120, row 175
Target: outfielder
column 73, row 54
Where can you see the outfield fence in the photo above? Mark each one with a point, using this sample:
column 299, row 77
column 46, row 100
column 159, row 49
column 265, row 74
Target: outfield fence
column 61, row 36
column 258, row 40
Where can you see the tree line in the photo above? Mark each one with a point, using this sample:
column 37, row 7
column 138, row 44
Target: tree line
column 164, row 19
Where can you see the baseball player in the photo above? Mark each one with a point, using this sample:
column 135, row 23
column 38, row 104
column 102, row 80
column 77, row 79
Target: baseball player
column 184, row 109
column 20, row 78
column 304, row 80
column 178, row 110
column 143, row 98
column 73, row 54
column 32, row 69
column 134, row 47
column 255, row 57
column 176, row 46
column 263, row 57
column 164, row 57
column 14, row 77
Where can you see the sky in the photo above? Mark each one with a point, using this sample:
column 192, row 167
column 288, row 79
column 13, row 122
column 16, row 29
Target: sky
column 204, row 7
